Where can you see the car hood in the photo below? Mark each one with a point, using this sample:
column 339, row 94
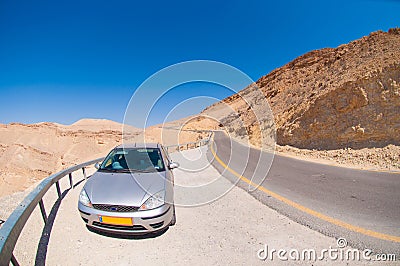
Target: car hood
column 129, row 189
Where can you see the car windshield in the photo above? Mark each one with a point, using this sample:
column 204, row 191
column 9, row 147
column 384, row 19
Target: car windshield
column 133, row 160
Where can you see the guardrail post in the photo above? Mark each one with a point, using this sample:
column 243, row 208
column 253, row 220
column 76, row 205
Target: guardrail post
column 58, row 189
column 84, row 173
column 71, row 182
column 43, row 211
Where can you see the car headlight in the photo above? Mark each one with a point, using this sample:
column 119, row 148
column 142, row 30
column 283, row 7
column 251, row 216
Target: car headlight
column 84, row 199
column 154, row 201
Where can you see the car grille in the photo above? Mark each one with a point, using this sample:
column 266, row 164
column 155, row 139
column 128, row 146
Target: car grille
column 115, row 208
column 120, row 227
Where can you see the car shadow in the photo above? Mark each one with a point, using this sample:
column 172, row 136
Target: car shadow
column 128, row 236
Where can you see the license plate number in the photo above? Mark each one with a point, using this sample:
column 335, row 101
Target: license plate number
column 116, row 220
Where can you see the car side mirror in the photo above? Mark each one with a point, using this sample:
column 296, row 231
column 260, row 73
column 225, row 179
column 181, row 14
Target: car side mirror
column 173, row 165
column 97, row 165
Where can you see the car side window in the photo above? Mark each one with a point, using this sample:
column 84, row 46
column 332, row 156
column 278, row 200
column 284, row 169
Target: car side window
column 108, row 163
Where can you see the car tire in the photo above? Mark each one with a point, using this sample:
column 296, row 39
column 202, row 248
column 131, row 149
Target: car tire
column 173, row 220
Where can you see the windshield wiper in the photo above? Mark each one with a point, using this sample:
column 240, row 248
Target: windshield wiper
column 124, row 170
column 110, row 170
column 138, row 170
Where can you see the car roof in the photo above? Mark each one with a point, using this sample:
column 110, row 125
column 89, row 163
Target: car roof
column 139, row 145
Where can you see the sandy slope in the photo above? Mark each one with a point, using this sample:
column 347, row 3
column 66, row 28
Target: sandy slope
column 31, row 152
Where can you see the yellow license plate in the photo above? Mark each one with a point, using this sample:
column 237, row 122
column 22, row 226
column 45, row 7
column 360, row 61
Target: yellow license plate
column 116, row 220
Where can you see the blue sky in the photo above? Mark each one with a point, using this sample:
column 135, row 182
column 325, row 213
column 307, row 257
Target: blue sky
column 62, row 61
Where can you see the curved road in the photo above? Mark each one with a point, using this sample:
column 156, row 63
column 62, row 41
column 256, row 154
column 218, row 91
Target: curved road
column 361, row 206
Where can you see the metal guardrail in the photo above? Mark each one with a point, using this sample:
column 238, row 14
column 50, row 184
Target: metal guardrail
column 12, row 228
column 187, row 145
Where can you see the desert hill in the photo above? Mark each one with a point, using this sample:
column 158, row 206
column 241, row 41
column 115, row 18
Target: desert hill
column 98, row 125
column 31, row 152
column 344, row 97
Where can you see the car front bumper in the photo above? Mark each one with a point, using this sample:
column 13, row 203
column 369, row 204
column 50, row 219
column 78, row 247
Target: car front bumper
column 143, row 221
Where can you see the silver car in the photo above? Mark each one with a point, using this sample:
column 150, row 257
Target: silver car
column 131, row 192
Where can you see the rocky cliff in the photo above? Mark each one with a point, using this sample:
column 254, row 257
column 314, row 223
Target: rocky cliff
column 331, row 98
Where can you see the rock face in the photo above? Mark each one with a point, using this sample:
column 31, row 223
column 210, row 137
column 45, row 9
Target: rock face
column 348, row 96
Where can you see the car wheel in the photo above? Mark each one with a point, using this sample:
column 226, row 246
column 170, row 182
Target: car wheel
column 173, row 221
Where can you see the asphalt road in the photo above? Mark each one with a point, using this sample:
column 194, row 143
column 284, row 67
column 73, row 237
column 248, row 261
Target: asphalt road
column 363, row 205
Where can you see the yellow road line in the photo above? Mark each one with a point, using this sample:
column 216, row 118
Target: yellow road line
column 302, row 208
